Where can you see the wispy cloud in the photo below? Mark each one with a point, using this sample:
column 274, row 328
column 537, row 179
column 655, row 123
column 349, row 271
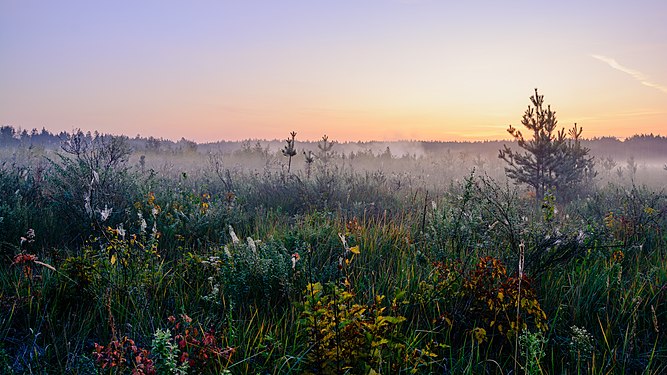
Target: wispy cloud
column 639, row 76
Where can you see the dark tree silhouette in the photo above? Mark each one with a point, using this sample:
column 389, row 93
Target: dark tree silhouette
column 310, row 158
column 289, row 150
column 325, row 145
column 550, row 160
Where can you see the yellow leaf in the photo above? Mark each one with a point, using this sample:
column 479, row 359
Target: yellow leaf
column 113, row 259
column 355, row 250
column 479, row 334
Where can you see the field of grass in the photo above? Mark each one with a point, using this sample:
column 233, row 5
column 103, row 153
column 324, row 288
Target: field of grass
column 192, row 263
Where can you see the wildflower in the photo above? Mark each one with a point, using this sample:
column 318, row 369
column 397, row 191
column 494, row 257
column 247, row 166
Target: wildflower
column 235, row 240
column 120, row 231
column 105, row 213
column 252, row 246
column 581, row 343
column 29, row 237
column 344, row 241
column 86, row 204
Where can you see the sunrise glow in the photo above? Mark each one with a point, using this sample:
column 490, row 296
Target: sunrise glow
column 355, row 70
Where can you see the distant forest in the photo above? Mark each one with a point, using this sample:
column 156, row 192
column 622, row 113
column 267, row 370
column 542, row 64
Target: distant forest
column 646, row 148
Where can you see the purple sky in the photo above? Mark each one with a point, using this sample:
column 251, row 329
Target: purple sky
column 355, row 70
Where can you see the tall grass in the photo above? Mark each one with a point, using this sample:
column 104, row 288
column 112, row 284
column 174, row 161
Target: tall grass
column 232, row 255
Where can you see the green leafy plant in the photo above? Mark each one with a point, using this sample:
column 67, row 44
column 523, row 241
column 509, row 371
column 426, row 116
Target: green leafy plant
column 348, row 336
column 166, row 354
column 532, row 350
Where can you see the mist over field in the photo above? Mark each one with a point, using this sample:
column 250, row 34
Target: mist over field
column 640, row 159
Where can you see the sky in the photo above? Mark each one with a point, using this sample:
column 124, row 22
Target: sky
column 354, row 70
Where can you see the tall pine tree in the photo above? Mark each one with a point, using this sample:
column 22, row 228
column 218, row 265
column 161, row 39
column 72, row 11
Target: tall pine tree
column 550, row 161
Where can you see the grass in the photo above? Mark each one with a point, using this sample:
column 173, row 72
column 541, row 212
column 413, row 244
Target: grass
column 601, row 279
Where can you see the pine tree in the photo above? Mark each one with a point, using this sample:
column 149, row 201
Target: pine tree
column 550, row 160
column 289, row 150
column 310, row 158
column 325, row 145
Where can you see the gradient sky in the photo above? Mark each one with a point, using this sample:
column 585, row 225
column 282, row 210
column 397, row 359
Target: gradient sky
column 355, row 70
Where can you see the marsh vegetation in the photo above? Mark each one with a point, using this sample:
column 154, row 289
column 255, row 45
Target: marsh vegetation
column 145, row 256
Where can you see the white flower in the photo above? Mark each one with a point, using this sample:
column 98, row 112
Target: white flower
column 121, row 231
column 154, row 211
column 143, row 225
column 235, row 239
column 105, row 213
column 252, row 246
column 86, row 205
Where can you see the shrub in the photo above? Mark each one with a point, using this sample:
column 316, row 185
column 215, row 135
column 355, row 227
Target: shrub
column 347, row 336
column 484, row 300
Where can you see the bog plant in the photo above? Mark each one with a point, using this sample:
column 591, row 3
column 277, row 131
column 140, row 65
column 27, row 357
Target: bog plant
column 166, row 354
column 200, row 350
column 249, row 273
column 484, row 300
column 347, row 336
column 532, row 351
column 122, row 357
